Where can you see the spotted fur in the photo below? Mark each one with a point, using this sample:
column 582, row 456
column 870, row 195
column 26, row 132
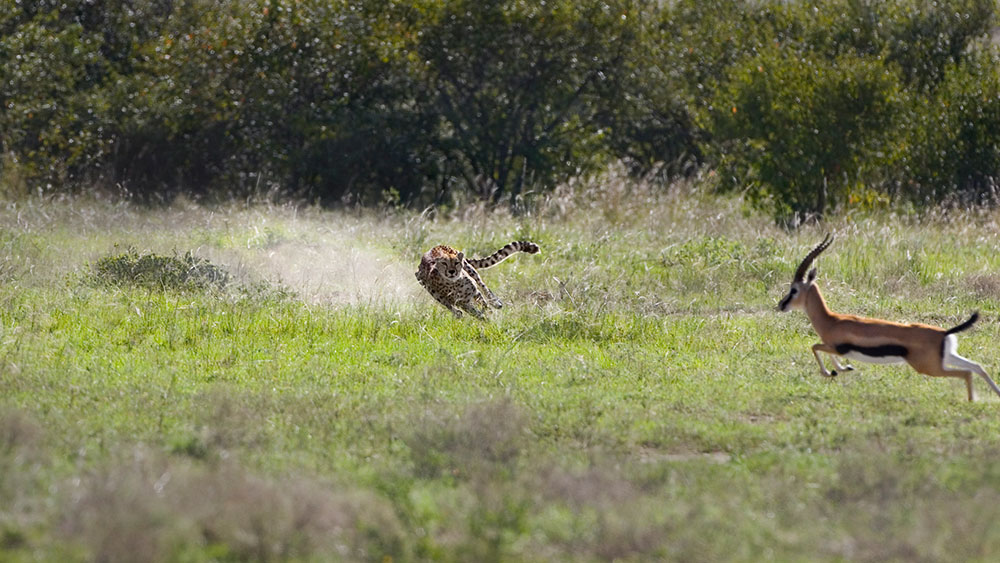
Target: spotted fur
column 453, row 281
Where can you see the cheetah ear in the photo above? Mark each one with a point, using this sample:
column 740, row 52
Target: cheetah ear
column 461, row 257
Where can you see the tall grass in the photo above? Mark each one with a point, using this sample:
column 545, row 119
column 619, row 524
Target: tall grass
column 637, row 397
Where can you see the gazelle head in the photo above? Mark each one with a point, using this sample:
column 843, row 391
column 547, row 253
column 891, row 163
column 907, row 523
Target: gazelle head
column 796, row 298
column 450, row 267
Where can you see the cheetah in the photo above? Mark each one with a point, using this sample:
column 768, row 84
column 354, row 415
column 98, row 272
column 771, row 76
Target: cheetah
column 453, row 281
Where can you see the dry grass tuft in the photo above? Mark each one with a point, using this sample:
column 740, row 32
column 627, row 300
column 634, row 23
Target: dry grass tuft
column 225, row 420
column 22, row 461
column 625, row 521
column 593, row 487
column 935, row 525
column 17, row 255
column 18, row 433
column 154, row 271
column 485, row 439
column 152, row 508
column 985, row 286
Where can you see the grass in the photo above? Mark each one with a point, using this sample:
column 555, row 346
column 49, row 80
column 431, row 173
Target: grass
column 637, row 398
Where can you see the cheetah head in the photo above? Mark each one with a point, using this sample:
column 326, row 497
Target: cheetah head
column 450, row 267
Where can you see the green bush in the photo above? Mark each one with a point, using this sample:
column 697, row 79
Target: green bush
column 159, row 272
column 206, row 97
column 924, row 38
column 323, row 100
column 952, row 138
column 801, row 130
column 819, row 106
column 649, row 121
column 239, row 96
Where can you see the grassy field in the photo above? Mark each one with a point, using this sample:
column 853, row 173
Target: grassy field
column 637, row 398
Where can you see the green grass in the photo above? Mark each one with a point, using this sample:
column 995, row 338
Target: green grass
column 637, row 398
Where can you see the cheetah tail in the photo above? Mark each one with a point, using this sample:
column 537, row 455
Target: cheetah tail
column 503, row 253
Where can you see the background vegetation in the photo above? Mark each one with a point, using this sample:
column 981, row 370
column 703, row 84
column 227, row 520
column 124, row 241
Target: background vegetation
column 264, row 381
column 802, row 105
column 296, row 396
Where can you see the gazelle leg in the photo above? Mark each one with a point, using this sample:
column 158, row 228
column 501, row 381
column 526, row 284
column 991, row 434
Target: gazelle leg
column 950, row 358
column 970, row 367
column 817, row 348
column 964, row 374
column 989, row 381
column 837, row 367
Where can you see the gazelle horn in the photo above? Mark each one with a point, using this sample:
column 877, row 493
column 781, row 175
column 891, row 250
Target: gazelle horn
column 800, row 274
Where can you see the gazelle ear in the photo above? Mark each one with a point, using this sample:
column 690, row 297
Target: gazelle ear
column 812, row 275
column 461, row 257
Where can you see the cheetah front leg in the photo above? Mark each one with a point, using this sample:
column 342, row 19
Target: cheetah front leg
column 448, row 304
column 454, row 310
column 479, row 313
column 470, row 306
column 444, row 299
column 493, row 299
column 467, row 296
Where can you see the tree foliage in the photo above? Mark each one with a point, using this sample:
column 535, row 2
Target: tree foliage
column 804, row 106
column 518, row 87
column 810, row 106
column 803, row 126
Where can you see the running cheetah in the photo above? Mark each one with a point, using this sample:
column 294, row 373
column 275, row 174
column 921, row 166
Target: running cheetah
column 453, row 280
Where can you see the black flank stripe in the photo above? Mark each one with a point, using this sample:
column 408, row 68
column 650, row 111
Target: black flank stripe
column 873, row 351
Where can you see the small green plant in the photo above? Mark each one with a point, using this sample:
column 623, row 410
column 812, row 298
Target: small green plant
column 159, row 272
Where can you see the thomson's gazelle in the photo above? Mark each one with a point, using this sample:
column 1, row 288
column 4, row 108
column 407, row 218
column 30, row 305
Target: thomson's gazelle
column 928, row 349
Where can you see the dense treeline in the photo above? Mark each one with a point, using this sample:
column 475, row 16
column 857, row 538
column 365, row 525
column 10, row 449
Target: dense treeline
column 802, row 105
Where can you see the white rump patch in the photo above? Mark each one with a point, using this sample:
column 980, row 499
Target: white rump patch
column 951, row 359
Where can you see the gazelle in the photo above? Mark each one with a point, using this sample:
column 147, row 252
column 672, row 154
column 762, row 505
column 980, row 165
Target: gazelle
column 928, row 349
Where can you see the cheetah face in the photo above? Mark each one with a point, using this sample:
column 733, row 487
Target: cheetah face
column 450, row 268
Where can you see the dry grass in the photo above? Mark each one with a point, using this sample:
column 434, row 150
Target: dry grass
column 485, row 438
column 23, row 457
column 146, row 507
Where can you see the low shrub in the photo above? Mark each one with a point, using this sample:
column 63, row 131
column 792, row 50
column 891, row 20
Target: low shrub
column 159, row 272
